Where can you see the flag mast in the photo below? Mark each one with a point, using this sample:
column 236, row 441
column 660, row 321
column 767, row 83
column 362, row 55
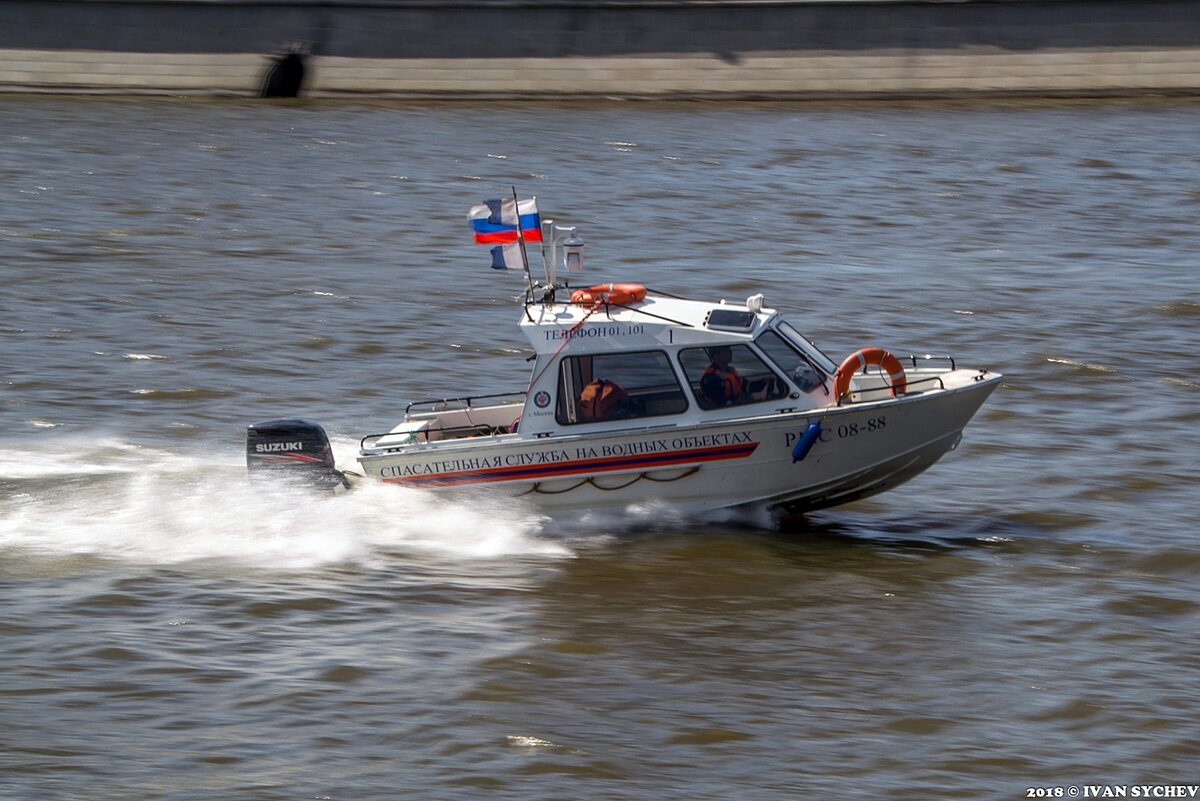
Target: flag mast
column 521, row 242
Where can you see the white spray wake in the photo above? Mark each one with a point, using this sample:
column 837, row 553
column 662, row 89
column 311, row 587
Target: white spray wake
column 112, row 499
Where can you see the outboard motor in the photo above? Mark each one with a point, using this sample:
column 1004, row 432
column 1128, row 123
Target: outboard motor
column 292, row 449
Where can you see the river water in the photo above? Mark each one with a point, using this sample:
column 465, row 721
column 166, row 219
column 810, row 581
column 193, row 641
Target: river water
column 1022, row 617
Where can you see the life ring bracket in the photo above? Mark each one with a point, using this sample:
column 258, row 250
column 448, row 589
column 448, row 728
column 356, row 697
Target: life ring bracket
column 862, row 359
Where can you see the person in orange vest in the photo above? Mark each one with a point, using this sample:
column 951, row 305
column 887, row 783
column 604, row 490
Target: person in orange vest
column 721, row 384
column 602, row 400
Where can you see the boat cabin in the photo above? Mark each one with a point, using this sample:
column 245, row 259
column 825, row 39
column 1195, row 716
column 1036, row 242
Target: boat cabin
column 656, row 361
column 663, row 357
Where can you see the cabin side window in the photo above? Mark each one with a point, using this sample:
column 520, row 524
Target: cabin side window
column 730, row 375
column 808, row 347
column 791, row 360
column 617, row 386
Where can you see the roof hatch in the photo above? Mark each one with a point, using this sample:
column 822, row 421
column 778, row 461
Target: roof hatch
column 730, row 320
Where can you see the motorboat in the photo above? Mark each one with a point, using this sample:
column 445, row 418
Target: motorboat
column 637, row 396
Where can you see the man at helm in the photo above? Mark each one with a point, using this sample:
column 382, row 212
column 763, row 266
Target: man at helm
column 721, row 384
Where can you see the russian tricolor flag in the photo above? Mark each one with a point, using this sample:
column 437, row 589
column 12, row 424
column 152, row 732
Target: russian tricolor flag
column 495, row 221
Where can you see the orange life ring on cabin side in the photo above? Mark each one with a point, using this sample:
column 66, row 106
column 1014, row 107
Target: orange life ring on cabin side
column 860, row 360
column 616, row 294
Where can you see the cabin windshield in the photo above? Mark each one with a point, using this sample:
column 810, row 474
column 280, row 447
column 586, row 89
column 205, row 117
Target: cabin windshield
column 795, row 363
column 617, row 386
column 808, row 348
column 730, row 375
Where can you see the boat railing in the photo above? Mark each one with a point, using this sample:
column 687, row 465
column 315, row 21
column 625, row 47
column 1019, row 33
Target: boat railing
column 432, row 435
column 930, row 357
column 448, row 404
column 917, row 382
column 913, row 386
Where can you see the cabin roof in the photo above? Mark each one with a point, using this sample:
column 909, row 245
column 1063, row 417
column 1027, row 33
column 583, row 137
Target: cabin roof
column 656, row 319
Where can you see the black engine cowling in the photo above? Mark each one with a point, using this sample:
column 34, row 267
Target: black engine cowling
column 292, row 449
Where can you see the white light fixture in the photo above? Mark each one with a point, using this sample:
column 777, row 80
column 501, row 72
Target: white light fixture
column 573, row 251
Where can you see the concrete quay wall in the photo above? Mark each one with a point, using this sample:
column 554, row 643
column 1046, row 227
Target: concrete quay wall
column 598, row 48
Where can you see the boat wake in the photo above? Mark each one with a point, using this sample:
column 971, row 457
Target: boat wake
column 664, row 517
column 109, row 499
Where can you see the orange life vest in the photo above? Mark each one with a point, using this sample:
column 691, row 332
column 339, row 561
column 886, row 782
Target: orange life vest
column 600, row 400
column 731, row 382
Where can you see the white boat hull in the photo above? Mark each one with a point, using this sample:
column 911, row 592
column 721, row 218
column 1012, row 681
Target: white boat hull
column 863, row 449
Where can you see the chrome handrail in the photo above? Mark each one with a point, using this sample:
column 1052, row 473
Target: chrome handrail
column 849, row 398
column 466, row 400
column 481, row 429
column 912, row 358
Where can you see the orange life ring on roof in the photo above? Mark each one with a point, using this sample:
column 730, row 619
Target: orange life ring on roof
column 617, row 294
column 860, row 360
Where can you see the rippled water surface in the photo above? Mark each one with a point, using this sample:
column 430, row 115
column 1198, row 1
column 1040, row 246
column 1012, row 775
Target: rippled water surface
column 1023, row 615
